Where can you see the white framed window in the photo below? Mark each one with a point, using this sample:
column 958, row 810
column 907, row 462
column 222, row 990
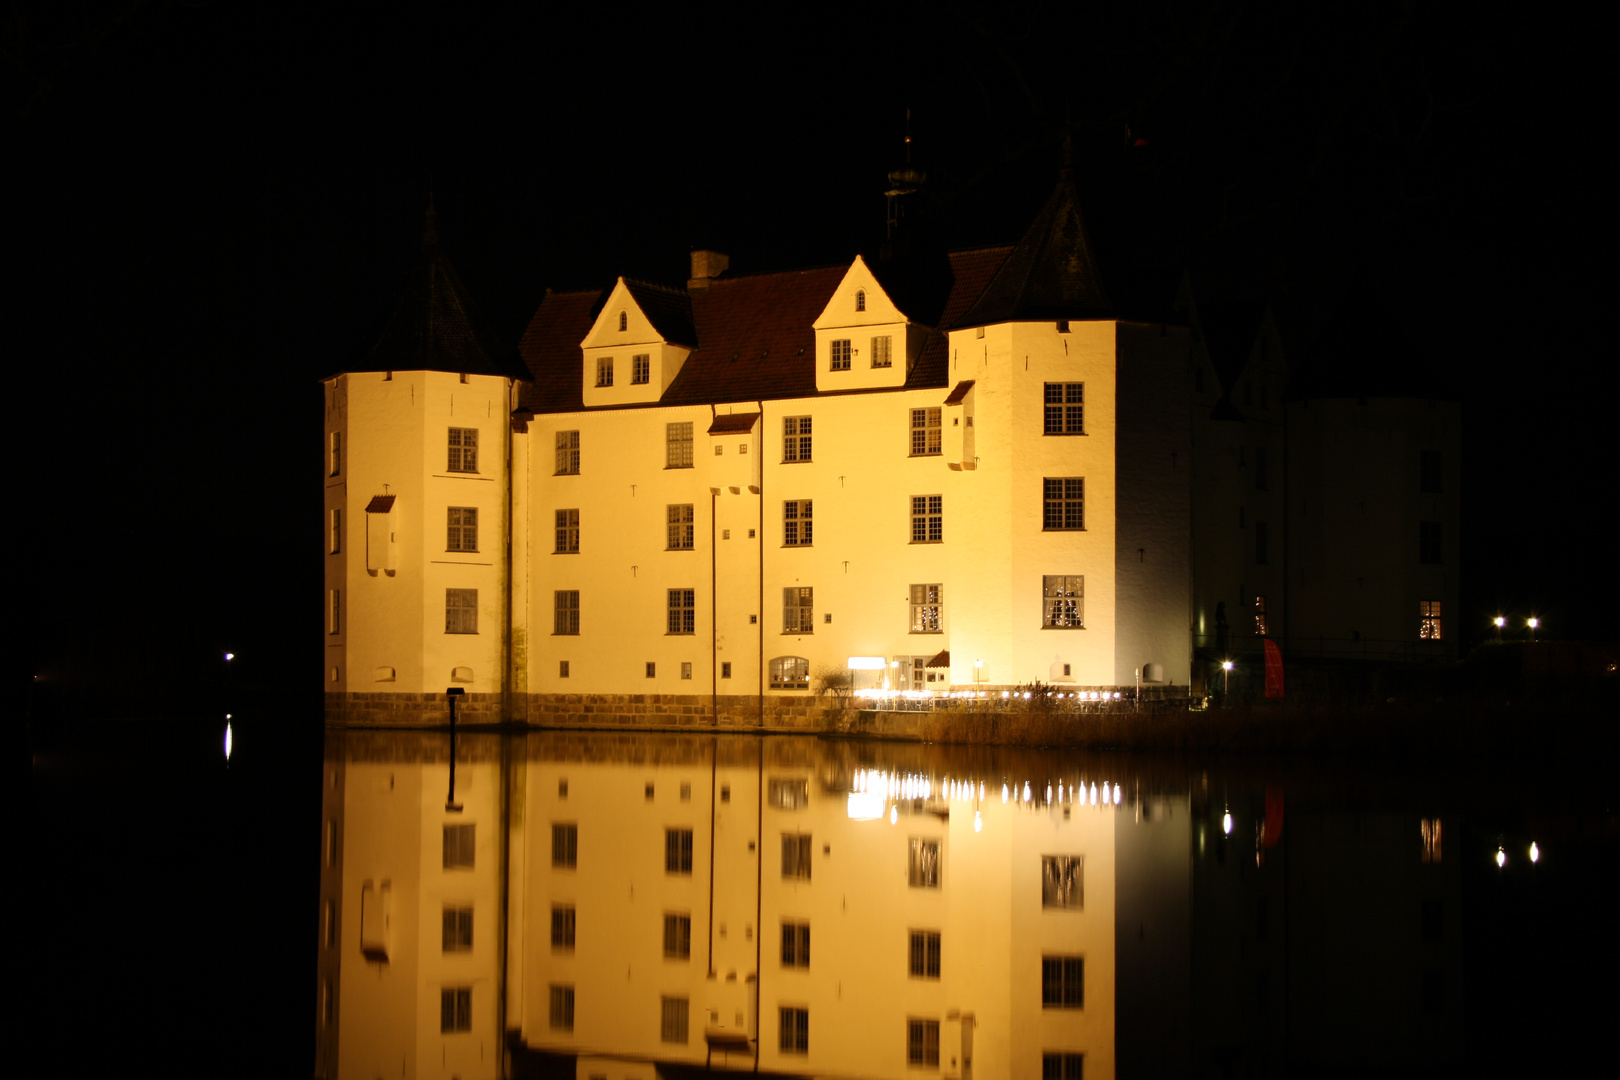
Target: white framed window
column 567, row 532
column 455, row 1009
column 624, row 321
column 678, row 445
column 563, row 923
column 1063, row 1066
column 462, row 529
column 682, row 611
column 677, row 936
column 790, row 673
column 680, row 527
column 1063, row 601
column 457, row 929
column 336, row 545
column 564, row 844
column 674, row 1026
column 924, row 954
column 922, row 1042
column 925, row 432
column 562, row 1007
column 796, row 856
column 1063, row 881
column 797, row 524
column 565, row 611
column 1063, row 503
column 882, row 348
column 677, row 851
column 793, row 1027
column 604, row 371
column 795, row 943
column 860, row 299
column 1063, row 982
column 640, row 369
column 795, row 438
column 923, row 863
column 335, row 454
column 927, row 605
column 1429, row 620
column 840, row 355
column 567, row 453
column 1065, row 410
column 927, row 519
column 460, row 846
column 334, row 607
column 461, row 611
column 463, row 450
column 798, row 610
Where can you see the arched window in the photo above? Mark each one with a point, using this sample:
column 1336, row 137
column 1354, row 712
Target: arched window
column 860, row 299
column 790, row 673
column 624, row 321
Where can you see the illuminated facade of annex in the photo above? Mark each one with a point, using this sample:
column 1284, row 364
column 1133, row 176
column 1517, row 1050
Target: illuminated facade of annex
column 696, row 505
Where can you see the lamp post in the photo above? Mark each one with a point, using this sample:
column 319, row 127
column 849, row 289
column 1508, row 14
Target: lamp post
column 1499, row 622
column 1226, row 679
column 1532, row 622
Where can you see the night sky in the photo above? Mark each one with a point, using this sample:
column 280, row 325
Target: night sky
column 216, row 205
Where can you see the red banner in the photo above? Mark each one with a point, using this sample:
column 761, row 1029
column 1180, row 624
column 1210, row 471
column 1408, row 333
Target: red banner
column 1274, row 670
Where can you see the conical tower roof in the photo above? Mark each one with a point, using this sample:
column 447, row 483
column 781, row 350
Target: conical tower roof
column 436, row 327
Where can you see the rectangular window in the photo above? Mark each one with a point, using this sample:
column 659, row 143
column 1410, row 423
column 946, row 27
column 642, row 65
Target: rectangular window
column 604, row 371
column 923, row 863
column 1062, row 881
column 797, row 525
column 1259, row 616
column 925, row 432
column 567, row 522
column 567, row 453
column 788, row 793
column 882, row 347
column 682, row 611
column 455, row 1009
column 459, row 847
column 1062, row 1066
column 640, row 369
column 565, row 611
column 798, row 610
column 1063, row 503
column 562, row 926
column 680, row 527
column 1262, row 547
column 678, row 445
column 461, row 611
column 686, row 669
column 336, row 545
column 795, row 944
column 927, row 519
column 463, row 450
column 1429, row 541
column 562, row 669
column 677, row 851
column 675, row 1010
column 562, row 1008
column 1063, row 601
column 334, row 602
column 926, row 605
column 922, row 1042
column 462, row 534
column 790, row 673
column 924, row 954
column 652, row 669
column 457, row 930
column 1065, row 409
column 1429, row 614
column 564, row 845
column 1428, row 472
column 1262, row 471
column 335, row 462
column 795, row 438
column 1062, row 982
column 725, row 669
column 794, row 1027
column 796, row 856
column 840, row 355
column 678, row 937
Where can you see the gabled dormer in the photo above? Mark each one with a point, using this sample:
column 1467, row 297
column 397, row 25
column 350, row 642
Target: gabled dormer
column 863, row 340
column 637, row 344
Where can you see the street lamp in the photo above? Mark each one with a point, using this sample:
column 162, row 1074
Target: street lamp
column 1532, row 622
column 1499, row 622
column 1226, row 678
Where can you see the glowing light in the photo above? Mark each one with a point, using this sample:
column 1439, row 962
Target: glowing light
column 978, row 822
column 866, row 663
column 864, row 806
column 227, row 739
column 229, row 657
column 1093, row 794
column 1499, row 622
column 894, row 815
column 1226, row 823
column 1048, row 792
column 1116, row 794
column 1501, row 858
column 1226, row 665
column 1027, row 795
column 1003, row 794
column 1535, row 852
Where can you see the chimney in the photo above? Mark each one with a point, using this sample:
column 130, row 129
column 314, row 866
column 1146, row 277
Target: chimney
column 706, row 266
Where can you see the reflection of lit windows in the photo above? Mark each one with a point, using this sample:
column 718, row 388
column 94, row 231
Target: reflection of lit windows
column 459, row 847
column 674, row 1025
column 925, row 432
column 564, row 844
column 457, row 930
column 455, row 1008
column 461, row 611
column 1062, row 882
column 795, row 944
column 796, row 856
column 1259, row 616
column 923, row 863
column 1063, row 599
column 562, row 926
column 1430, row 828
column 790, row 673
column 562, row 1008
column 1429, row 620
column 798, row 610
column 794, row 1026
column 795, row 438
column 924, row 954
column 788, row 793
column 678, row 851
column 922, row 1042
column 463, row 450
column 567, row 453
column 925, row 608
column 1063, row 982
column 1062, row 1066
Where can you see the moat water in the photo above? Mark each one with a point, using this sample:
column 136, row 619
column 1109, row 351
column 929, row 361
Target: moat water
column 615, row 905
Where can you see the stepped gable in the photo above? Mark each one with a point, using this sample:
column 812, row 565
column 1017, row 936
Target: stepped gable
column 436, row 326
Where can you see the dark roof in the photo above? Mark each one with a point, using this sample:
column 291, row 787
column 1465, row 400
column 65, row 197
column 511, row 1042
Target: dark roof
column 381, row 504
column 669, row 310
column 555, row 332
column 1230, row 331
column 1051, row 273
column 734, row 423
column 960, row 394
column 435, row 326
column 971, row 271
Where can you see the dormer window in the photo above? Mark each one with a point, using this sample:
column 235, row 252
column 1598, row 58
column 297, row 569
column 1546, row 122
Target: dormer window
column 840, row 355
column 641, row 369
column 860, row 299
column 604, row 371
column 624, row 321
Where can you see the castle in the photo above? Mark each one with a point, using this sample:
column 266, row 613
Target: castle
column 700, row 505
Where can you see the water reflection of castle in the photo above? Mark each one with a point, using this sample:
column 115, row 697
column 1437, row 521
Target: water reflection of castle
column 613, row 907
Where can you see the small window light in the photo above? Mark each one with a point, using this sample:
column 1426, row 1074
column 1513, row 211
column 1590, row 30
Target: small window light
column 686, row 669
column 562, row 787
column 718, row 449
column 652, row 670
column 624, row 321
column 649, row 790
column 827, row 618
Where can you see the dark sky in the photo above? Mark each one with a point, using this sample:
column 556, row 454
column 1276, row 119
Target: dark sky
column 216, row 204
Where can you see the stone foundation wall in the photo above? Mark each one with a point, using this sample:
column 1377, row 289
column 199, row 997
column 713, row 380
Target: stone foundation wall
column 791, row 713
column 410, row 710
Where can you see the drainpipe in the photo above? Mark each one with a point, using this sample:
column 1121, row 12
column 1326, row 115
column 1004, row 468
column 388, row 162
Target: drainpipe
column 759, row 669
column 506, row 623
column 714, row 591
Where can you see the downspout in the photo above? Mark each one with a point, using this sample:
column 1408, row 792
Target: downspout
column 759, row 669
column 759, row 884
column 506, row 623
column 714, row 618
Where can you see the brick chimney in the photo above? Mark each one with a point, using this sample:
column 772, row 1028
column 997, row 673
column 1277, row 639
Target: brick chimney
column 706, row 266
